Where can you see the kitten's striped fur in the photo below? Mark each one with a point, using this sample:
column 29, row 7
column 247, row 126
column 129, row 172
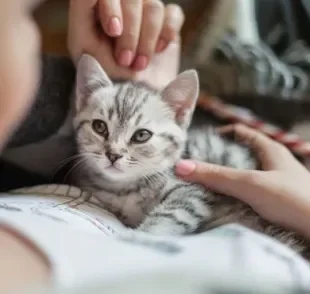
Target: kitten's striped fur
column 140, row 187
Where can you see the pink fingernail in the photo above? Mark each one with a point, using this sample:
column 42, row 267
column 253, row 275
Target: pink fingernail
column 185, row 167
column 161, row 45
column 125, row 58
column 141, row 62
column 115, row 27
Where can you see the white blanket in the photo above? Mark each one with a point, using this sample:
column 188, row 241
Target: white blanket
column 88, row 246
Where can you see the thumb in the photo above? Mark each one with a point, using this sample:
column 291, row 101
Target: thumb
column 225, row 180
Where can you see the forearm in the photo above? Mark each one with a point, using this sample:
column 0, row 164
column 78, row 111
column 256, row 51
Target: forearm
column 301, row 221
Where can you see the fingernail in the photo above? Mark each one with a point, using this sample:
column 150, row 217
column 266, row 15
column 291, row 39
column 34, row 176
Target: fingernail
column 114, row 27
column 161, row 45
column 141, row 62
column 125, row 58
column 185, row 167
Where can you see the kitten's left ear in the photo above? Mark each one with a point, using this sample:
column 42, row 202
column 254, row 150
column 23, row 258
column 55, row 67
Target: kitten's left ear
column 90, row 77
column 181, row 95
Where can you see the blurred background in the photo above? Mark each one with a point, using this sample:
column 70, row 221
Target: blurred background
column 244, row 50
column 247, row 32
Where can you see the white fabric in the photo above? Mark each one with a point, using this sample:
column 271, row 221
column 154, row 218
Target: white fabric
column 88, row 246
column 246, row 25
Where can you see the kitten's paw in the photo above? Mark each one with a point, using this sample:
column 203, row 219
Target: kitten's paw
column 165, row 228
column 80, row 200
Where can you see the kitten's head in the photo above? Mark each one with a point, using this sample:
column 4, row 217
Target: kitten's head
column 126, row 130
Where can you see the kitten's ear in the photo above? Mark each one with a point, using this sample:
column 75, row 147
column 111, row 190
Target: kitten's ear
column 90, row 77
column 181, row 94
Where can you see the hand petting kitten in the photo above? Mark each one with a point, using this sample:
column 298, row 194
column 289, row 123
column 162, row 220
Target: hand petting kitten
column 129, row 138
column 279, row 193
column 125, row 36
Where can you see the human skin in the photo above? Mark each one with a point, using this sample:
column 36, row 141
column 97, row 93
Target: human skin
column 22, row 263
column 278, row 193
column 19, row 70
column 146, row 27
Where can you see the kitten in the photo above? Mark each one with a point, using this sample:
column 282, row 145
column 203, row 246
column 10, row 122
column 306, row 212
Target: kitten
column 130, row 137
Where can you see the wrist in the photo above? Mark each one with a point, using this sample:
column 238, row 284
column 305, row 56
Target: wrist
column 300, row 220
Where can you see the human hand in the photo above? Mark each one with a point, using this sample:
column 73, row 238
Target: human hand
column 279, row 193
column 124, row 35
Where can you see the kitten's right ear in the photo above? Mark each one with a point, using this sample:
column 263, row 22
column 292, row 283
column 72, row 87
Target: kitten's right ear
column 181, row 95
column 90, row 77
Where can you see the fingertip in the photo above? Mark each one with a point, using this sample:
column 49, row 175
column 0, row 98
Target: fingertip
column 185, row 167
column 140, row 63
column 109, row 14
column 125, row 58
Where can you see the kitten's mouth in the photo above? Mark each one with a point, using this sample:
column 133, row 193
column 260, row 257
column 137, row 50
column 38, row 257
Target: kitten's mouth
column 112, row 169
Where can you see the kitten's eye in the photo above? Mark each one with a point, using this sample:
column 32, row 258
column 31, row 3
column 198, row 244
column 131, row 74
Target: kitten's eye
column 141, row 136
column 100, row 127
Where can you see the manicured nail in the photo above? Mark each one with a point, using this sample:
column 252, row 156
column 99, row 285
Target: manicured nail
column 115, row 27
column 185, row 167
column 125, row 58
column 161, row 45
column 141, row 62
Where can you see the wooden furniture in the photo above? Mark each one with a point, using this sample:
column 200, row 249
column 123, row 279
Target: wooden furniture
column 52, row 18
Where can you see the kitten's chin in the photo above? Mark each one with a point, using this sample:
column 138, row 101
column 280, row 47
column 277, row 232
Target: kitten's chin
column 114, row 174
column 113, row 170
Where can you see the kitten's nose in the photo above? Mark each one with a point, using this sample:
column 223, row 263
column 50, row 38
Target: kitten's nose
column 113, row 156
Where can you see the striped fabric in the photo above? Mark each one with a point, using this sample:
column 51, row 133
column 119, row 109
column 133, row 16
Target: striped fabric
column 236, row 114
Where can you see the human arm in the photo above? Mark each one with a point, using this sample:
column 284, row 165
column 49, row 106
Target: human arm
column 21, row 67
column 279, row 193
column 21, row 264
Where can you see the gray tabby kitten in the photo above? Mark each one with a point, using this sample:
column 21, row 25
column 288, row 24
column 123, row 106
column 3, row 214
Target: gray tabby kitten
column 130, row 137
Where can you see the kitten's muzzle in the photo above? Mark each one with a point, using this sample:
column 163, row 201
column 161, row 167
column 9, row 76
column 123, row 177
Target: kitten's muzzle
column 113, row 156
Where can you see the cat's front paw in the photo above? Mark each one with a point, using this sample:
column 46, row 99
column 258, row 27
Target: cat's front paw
column 165, row 227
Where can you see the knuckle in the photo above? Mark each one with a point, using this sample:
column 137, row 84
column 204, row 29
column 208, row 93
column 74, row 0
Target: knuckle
column 237, row 130
column 129, row 39
column 168, row 32
column 147, row 47
column 247, row 135
column 174, row 7
column 130, row 6
column 280, row 148
column 154, row 6
column 254, row 139
column 211, row 169
column 253, row 177
column 111, row 6
column 238, row 127
column 176, row 11
column 129, row 3
column 130, row 34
